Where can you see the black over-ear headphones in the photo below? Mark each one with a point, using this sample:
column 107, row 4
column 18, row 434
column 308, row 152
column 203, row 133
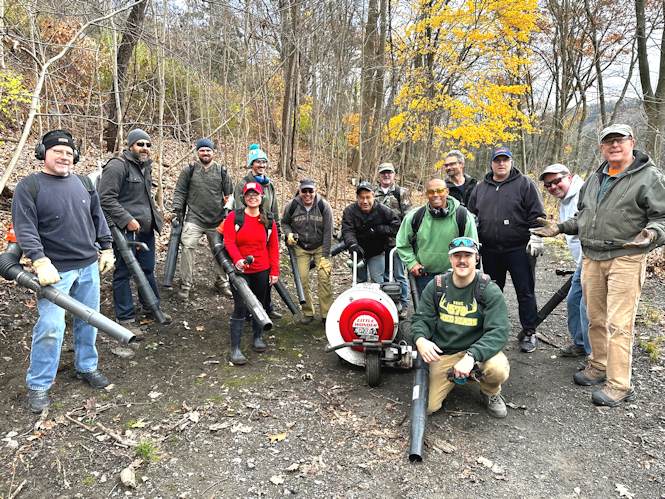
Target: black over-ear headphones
column 40, row 147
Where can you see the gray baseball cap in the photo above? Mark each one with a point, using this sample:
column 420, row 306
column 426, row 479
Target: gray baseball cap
column 555, row 168
column 617, row 129
column 386, row 167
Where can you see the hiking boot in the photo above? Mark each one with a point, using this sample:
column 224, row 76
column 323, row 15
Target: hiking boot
column 528, row 342
column 572, row 350
column 589, row 376
column 306, row 319
column 611, row 397
column 236, row 357
column 183, row 293
column 95, row 379
column 495, row 404
column 38, row 400
column 274, row 314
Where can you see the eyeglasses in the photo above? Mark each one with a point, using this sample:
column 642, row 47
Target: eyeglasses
column 260, row 162
column 307, row 191
column 465, row 242
column 446, row 165
column 611, row 140
column 252, row 194
column 556, row 181
column 141, row 143
column 440, row 191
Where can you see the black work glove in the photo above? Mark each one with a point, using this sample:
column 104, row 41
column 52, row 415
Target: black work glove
column 356, row 248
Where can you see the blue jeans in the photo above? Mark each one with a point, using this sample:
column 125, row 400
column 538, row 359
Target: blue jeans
column 517, row 262
column 398, row 274
column 48, row 333
column 578, row 323
column 123, row 303
column 376, row 266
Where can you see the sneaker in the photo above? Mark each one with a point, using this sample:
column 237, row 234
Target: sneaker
column 495, row 404
column 38, row 400
column 306, row 319
column 572, row 350
column 528, row 342
column 589, row 376
column 402, row 310
column 274, row 314
column 95, row 379
column 611, row 397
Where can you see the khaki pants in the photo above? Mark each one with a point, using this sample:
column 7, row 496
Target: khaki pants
column 189, row 241
column 303, row 258
column 495, row 373
column 612, row 291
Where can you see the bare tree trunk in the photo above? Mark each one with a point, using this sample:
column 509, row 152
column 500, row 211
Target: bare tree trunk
column 290, row 105
column 653, row 102
column 130, row 37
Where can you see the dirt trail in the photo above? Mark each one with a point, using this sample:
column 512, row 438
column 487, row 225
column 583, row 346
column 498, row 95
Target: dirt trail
column 295, row 421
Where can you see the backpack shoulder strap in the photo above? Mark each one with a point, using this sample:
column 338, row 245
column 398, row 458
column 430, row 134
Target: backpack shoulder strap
column 460, row 216
column 480, row 287
column 416, row 222
column 239, row 218
column 398, row 195
column 440, row 283
column 321, row 205
column 292, row 208
column 32, row 185
column 87, row 183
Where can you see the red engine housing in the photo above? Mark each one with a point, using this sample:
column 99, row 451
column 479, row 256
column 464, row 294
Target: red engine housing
column 367, row 314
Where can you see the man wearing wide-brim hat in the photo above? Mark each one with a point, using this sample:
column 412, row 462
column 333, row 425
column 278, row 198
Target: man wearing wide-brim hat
column 620, row 218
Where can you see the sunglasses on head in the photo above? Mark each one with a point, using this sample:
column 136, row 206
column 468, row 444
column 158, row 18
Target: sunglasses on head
column 440, row 190
column 307, row 191
column 142, row 143
column 465, row 242
column 555, row 181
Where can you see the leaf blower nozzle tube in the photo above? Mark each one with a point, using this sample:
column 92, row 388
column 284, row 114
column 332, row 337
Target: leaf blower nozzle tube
column 240, row 285
column 419, row 410
column 149, row 297
column 11, row 269
column 172, row 253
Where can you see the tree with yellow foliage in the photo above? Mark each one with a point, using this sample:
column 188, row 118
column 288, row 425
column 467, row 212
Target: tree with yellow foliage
column 465, row 79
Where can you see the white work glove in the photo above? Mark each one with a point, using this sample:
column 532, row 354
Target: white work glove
column 106, row 260
column 46, row 272
column 535, row 246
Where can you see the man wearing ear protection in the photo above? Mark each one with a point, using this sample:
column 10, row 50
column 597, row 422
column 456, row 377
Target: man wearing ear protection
column 126, row 197
column 460, row 327
column 425, row 233
column 58, row 221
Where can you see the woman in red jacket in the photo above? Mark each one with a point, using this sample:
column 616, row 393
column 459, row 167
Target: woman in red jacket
column 256, row 235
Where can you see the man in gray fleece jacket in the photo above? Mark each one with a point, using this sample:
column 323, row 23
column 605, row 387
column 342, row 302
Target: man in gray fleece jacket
column 307, row 222
column 620, row 218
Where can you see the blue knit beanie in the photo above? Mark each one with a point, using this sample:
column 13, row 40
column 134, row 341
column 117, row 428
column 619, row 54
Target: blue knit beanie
column 255, row 152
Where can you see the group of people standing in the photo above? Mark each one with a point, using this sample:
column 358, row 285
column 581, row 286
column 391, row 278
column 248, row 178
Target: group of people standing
column 461, row 324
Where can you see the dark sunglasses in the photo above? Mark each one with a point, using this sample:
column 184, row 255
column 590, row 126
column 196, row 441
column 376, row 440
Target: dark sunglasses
column 556, row 181
column 465, row 242
column 141, row 143
column 307, row 191
column 611, row 140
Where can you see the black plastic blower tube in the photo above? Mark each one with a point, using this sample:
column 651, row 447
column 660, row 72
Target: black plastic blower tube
column 141, row 280
column 419, row 410
column 240, row 285
column 172, row 253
